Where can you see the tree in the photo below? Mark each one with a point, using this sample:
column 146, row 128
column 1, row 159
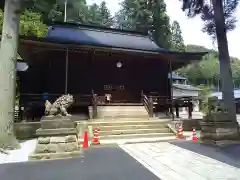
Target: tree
column 105, row 15
column 8, row 51
column 126, row 17
column 219, row 12
column 100, row 15
column 30, row 24
column 53, row 10
column 11, row 27
column 145, row 17
column 207, row 71
column 77, row 10
column 93, row 13
column 177, row 42
column 161, row 23
column 134, row 15
column 50, row 9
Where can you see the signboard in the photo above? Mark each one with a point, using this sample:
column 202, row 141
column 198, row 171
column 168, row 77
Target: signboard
column 114, row 87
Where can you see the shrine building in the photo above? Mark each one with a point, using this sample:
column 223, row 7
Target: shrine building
column 92, row 63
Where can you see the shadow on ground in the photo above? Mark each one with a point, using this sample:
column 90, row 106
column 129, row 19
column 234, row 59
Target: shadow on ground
column 228, row 155
column 103, row 163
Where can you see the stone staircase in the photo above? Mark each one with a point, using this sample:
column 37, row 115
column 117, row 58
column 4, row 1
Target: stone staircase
column 125, row 111
column 126, row 124
column 123, row 128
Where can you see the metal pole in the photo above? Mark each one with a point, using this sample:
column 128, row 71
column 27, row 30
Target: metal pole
column 66, row 73
column 65, row 11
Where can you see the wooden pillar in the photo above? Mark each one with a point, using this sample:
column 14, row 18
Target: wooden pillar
column 177, row 109
column 171, row 89
column 94, row 105
column 190, row 109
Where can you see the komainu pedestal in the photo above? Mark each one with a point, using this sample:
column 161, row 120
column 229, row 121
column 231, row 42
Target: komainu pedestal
column 57, row 137
column 218, row 128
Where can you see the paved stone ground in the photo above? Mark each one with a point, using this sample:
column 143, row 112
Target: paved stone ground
column 184, row 160
column 108, row 163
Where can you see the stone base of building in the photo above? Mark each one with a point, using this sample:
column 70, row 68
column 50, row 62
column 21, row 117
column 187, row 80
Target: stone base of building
column 57, row 138
column 218, row 129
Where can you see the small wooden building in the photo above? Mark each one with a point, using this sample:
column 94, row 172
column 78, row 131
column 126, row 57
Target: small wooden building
column 87, row 60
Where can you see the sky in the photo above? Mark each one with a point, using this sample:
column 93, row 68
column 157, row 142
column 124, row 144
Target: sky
column 191, row 28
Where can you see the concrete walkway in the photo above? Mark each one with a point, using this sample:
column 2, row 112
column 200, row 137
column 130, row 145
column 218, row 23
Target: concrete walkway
column 19, row 155
column 187, row 160
column 108, row 163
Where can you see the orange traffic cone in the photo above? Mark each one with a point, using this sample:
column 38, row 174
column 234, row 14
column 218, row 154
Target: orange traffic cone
column 194, row 137
column 95, row 137
column 85, row 142
column 180, row 132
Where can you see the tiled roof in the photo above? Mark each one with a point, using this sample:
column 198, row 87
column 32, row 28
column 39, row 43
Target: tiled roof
column 176, row 77
column 186, row 87
column 102, row 37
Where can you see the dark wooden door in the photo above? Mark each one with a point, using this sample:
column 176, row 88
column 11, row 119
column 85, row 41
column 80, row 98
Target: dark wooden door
column 121, row 92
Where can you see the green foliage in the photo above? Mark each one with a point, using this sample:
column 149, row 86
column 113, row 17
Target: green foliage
column 207, row 71
column 105, row 15
column 99, row 15
column 77, row 11
column 30, row 24
column 203, row 95
column 140, row 15
column 145, row 17
column 134, row 15
column 177, row 42
column 161, row 24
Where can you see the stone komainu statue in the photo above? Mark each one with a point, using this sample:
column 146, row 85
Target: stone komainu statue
column 59, row 107
column 216, row 105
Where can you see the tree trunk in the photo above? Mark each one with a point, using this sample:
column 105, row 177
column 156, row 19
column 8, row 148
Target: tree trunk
column 9, row 46
column 224, row 59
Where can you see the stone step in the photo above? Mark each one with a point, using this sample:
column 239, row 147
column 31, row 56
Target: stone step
column 116, row 119
column 56, row 132
column 122, row 111
column 122, row 123
column 132, row 126
column 133, row 131
column 51, row 156
column 132, row 136
column 121, row 107
column 57, row 123
column 138, row 140
column 109, row 116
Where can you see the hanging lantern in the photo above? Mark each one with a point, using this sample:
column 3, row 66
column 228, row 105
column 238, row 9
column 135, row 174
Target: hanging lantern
column 119, row 64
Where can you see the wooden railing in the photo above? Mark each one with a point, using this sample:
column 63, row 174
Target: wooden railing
column 33, row 105
column 79, row 99
column 148, row 103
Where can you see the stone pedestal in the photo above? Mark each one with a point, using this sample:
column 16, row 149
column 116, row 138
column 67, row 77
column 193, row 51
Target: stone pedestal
column 217, row 128
column 57, row 138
